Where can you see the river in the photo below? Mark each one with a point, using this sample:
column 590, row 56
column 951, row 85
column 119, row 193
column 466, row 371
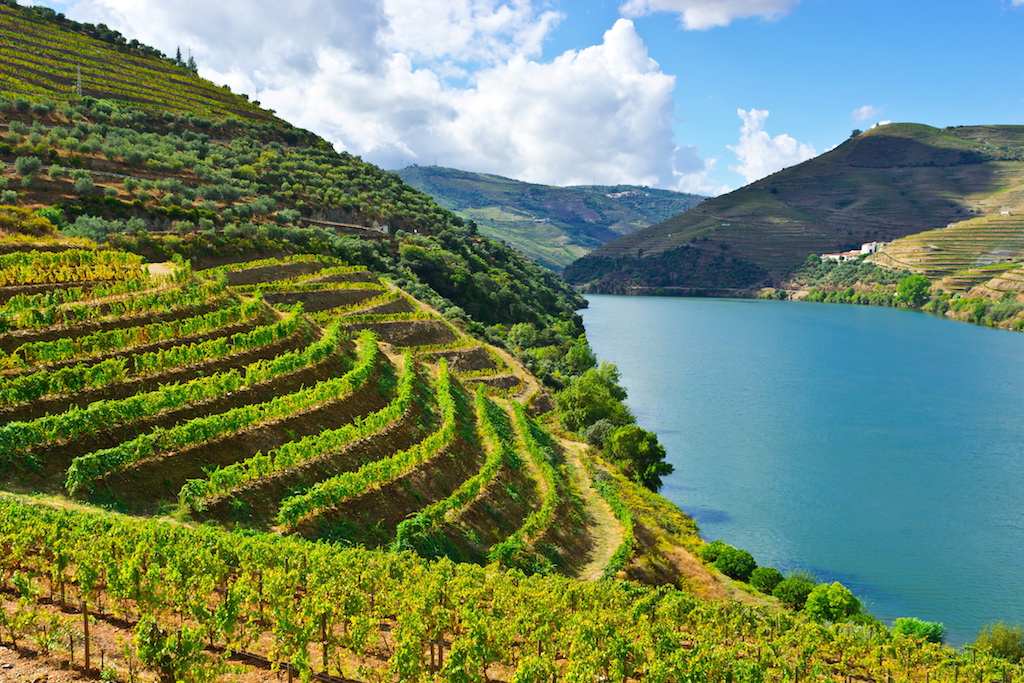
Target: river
column 878, row 447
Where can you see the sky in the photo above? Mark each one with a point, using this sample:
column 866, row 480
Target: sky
column 699, row 96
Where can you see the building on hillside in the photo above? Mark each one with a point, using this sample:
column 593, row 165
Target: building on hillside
column 865, row 249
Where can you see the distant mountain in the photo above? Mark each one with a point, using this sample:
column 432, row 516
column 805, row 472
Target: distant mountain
column 552, row 225
column 889, row 182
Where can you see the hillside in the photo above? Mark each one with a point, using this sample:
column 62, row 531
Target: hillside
column 40, row 57
column 552, row 225
column 886, row 183
column 266, row 413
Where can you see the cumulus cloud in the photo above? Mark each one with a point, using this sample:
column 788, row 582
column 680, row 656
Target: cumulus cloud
column 472, row 92
column 697, row 15
column 865, row 113
column 759, row 153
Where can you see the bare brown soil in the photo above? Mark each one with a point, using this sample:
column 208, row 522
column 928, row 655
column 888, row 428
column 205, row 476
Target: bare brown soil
column 354, row 276
column 270, row 273
column 501, row 508
column 404, row 333
column 461, row 361
column 58, row 456
column 225, row 331
column 500, row 382
column 388, row 308
column 322, row 300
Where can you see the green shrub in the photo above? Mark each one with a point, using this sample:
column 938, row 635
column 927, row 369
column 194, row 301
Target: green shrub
column 596, row 433
column 1002, row 640
column 765, row 579
column 710, row 552
column 831, row 602
column 793, row 591
column 735, row 563
column 26, row 166
column 929, row 630
column 84, row 185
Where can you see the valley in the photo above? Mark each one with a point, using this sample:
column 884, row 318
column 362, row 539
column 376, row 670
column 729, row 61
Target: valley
column 267, row 412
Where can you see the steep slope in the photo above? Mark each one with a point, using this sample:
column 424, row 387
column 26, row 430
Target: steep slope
column 889, row 182
column 303, row 353
column 552, row 225
column 40, row 57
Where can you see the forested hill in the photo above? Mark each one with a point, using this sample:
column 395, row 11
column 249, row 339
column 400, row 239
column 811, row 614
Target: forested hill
column 552, row 225
column 882, row 184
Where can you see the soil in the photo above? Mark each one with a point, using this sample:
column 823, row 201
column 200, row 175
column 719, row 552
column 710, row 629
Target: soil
column 355, row 276
column 500, row 508
column 321, row 300
column 270, row 273
column 605, row 530
column 387, row 308
column 461, row 361
column 225, row 331
column 402, row 333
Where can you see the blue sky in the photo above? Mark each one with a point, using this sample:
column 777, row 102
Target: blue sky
column 696, row 95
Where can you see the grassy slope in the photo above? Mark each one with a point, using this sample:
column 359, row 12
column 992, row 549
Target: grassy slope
column 889, row 182
column 552, row 225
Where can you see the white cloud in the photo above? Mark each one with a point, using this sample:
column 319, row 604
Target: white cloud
column 484, row 31
column 865, row 113
column 471, row 92
column 759, row 153
column 704, row 14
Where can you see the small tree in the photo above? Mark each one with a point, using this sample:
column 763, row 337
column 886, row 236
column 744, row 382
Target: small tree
column 27, row 166
column 831, row 602
column 735, row 563
column 793, row 591
column 711, row 551
column 84, row 185
column 913, row 290
column 639, row 453
column 765, row 579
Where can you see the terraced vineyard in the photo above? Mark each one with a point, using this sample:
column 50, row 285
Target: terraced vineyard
column 984, row 253
column 370, row 420
column 38, row 58
column 256, row 435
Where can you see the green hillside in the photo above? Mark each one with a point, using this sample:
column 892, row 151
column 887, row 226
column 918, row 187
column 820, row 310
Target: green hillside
column 552, row 225
column 889, row 182
column 267, row 413
column 40, row 57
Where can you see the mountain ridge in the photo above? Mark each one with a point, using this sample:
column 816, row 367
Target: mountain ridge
column 553, row 225
column 889, row 182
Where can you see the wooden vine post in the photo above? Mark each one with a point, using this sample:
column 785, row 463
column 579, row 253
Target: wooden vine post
column 85, row 633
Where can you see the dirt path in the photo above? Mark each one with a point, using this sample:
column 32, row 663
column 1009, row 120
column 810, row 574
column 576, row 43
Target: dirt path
column 607, row 531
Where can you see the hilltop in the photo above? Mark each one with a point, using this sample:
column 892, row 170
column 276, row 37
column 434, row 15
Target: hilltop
column 552, row 225
column 886, row 183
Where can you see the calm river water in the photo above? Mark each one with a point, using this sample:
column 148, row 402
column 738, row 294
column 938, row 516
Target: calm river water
column 878, row 447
